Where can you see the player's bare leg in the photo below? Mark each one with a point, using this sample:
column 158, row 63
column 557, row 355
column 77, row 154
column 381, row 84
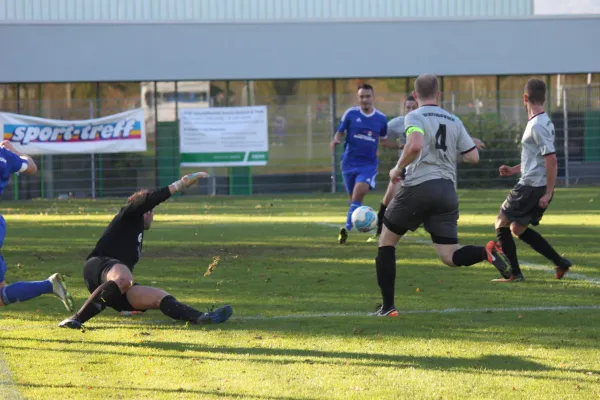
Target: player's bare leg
column 119, row 280
column 358, row 194
column 149, row 298
column 391, row 190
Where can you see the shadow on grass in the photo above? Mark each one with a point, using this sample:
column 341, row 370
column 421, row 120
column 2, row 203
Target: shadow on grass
column 116, row 389
column 286, row 356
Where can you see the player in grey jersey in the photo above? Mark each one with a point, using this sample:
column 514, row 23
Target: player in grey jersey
column 395, row 129
column 526, row 203
column 434, row 141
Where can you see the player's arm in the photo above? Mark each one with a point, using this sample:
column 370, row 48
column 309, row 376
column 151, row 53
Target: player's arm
column 18, row 161
column 154, row 198
column 415, row 138
column 545, row 141
column 390, row 144
column 467, row 147
column 339, row 134
column 505, row 170
column 395, row 129
column 551, row 172
column 414, row 144
column 337, row 139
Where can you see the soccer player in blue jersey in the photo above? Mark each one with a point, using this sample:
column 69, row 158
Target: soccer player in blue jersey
column 365, row 127
column 11, row 162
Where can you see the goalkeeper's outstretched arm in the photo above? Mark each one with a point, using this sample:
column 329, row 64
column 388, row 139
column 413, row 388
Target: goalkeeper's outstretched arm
column 142, row 202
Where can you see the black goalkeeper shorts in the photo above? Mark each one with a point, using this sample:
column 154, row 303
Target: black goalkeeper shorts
column 94, row 274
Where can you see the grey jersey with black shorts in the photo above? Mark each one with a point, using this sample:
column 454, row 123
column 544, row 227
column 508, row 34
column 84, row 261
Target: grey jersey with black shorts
column 522, row 203
column 397, row 130
column 537, row 142
column 444, row 137
column 428, row 194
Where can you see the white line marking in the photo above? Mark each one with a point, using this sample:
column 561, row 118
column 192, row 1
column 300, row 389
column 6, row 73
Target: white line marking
column 539, row 267
column 490, row 310
column 440, row 311
column 7, row 386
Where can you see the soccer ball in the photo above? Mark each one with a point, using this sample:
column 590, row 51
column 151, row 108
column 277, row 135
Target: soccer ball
column 364, row 219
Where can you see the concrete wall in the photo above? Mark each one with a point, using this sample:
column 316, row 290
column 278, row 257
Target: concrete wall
column 215, row 51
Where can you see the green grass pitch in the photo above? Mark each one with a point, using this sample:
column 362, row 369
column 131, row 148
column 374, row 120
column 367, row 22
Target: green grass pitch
column 459, row 337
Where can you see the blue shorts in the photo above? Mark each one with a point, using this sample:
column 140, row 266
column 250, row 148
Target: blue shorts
column 355, row 175
column 2, row 235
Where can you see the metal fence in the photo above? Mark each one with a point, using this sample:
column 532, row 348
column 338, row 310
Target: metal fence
column 300, row 130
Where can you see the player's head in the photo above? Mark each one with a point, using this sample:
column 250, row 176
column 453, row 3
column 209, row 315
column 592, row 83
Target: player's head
column 535, row 93
column 139, row 197
column 410, row 104
column 427, row 89
column 365, row 96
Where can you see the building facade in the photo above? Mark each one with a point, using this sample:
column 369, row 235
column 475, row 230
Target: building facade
column 81, row 59
column 202, row 11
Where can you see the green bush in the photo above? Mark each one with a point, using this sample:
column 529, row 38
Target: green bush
column 502, row 147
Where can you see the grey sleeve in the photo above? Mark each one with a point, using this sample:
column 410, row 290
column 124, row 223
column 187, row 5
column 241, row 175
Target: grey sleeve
column 396, row 129
column 544, row 139
column 415, row 121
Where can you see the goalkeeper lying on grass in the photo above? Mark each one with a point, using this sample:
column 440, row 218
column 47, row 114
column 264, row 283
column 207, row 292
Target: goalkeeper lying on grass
column 108, row 270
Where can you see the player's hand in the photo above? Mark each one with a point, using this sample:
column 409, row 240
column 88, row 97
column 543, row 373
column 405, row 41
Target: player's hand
column 333, row 143
column 479, row 144
column 7, row 145
column 505, row 170
column 396, row 174
column 189, row 179
column 545, row 200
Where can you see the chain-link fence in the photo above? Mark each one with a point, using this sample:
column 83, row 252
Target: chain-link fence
column 300, row 130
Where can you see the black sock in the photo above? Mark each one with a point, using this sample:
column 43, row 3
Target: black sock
column 386, row 274
column 509, row 248
column 469, row 255
column 539, row 244
column 380, row 216
column 103, row 296
column 179, row 311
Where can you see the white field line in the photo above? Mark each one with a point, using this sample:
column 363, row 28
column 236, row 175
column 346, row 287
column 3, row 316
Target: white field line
column 539, row 267
column 135, row 321
column 7, row 386
column 409, row 312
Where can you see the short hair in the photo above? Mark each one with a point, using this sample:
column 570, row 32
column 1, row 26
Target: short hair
column 426, row 85
column 410, row 98
column 365, row 86
column 138, row 196
column 536, row 91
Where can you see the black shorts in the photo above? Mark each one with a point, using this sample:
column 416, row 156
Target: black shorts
column 433, row 203
column 522, row 205
column 94, row 275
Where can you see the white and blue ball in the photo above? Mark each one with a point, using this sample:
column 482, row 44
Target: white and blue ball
column 364, row 219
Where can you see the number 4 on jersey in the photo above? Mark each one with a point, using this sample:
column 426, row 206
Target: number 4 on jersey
column 440, row 138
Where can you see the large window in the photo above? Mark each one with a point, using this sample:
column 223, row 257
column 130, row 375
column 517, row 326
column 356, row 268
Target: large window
column 390, row 94
column 470, row 94
column 69, row 100
column 8, row 98
column 511, row 97
column 116, row 97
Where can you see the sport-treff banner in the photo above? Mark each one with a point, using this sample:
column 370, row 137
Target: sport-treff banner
column 116, row 133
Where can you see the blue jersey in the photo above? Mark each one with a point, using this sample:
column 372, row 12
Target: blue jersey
column 10, row 163
column 362, row 136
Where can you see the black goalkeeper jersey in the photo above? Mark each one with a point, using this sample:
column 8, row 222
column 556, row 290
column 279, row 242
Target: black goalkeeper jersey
column 123, row 237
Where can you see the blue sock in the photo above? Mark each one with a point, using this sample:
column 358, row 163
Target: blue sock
column 23, row 291
column 353, row 206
